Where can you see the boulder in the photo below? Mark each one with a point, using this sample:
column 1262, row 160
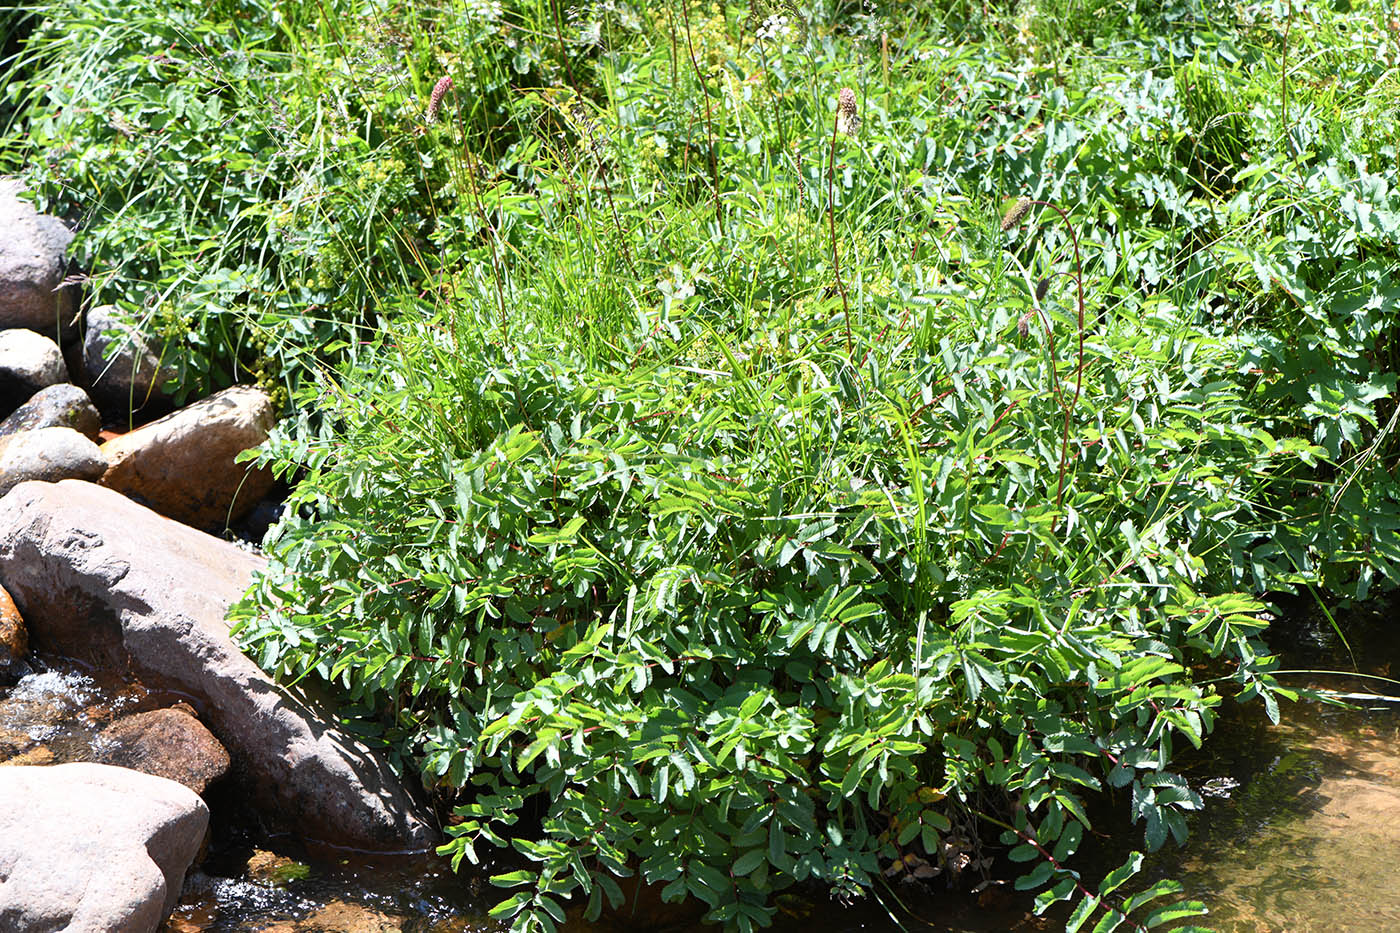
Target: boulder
column 28, row 363
column 48, row 454
column 119, row 364
column 32, row 264
column 93, row 848
column 14, row 641
column 58, row 406
column 169, row 743
column 183, row 465
column 102, row 578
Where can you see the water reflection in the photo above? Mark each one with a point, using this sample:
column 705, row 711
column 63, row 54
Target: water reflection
column 1310, row 840
column 1301, row 830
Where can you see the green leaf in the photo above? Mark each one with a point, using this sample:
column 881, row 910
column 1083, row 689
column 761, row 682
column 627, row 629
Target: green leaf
column 1120, row 875
column 1174, row 912
column 749, row 861
column 1036, row 877
column 1082, row 912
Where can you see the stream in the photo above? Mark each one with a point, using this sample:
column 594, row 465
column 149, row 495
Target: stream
column 1301, row 830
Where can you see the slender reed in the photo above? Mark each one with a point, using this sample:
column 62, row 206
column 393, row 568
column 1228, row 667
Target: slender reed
column 491, row 239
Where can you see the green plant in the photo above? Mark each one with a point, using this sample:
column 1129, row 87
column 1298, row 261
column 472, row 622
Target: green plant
column 639, row 558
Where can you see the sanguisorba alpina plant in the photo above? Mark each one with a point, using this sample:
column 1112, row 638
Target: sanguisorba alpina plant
column 440, row 90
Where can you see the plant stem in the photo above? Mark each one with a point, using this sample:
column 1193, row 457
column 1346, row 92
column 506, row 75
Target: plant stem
column 1079, row 367
column 563, row 50
column 835, row 254
column 709, row 121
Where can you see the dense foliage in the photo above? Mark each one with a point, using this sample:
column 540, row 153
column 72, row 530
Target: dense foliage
column 695, row 481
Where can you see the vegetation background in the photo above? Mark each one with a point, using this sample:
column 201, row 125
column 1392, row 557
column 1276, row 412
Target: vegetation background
column 769, row 445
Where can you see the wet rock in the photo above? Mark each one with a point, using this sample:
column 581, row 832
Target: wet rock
column 98, row 576
column 14, row 641
column 183, row 464
column 48, row 454
column 28, row 363
column 340, row 917
column 38, row 755
column 57, row 406
column 271, row 868
column 32, row 266
column 94, row 848
column 169, row 743
column 119, row 364
column 13, row 743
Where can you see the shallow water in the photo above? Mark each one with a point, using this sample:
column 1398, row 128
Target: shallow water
column 56, row 714
column 1301, row 832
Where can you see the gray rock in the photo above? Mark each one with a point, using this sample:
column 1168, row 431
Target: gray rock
column 28, row 363
column 89, row 848
column 101, row 578
column 183, row 465
column 169, row 743
column 48, row 454
column 123, row 371
column 58, row 406
column 32, row 247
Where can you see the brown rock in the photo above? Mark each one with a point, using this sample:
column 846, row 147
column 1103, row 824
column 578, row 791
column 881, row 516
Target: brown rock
column 270, row 868
column 168, row 743
column 14, row 640
column 183, row 465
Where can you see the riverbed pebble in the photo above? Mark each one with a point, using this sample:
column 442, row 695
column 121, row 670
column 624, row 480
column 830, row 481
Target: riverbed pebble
column 169, row 743
column 119, row 364
column 48, row 454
